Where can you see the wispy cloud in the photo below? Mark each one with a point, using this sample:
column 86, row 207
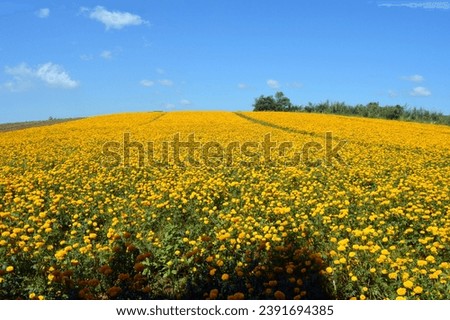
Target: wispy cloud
column 106, row 54
column 443, row 5
column 295, row 85
column 86, row 57
column 274, row 84
column 151, row 83
column 43, row 13
column 392, row 93
column 166, row 82
column 147, row 83
column 146, row 42
column 24, row 77
column 21, row 70
column 242, row 85
column 185, row 102
column 414, row 78
column 21, row 78
column 168, row 106
column 113, row 19
column 420, row 92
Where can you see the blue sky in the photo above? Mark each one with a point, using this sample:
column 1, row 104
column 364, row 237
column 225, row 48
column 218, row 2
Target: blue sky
column 81, row 58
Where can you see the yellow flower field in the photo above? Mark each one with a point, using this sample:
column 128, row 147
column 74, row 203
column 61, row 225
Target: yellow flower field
column 221, row 205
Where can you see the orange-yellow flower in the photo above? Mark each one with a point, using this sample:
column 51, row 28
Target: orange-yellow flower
column 408, row 284
column 418, row 290
column 401, row 291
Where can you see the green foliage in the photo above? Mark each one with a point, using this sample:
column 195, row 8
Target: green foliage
column 278, row 103
column 371, row 110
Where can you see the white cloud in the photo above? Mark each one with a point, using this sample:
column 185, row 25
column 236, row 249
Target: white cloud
column 242, row 85
column 185, row 102
column 43, row 13
column 147, row 83
column 166, row 82
column 420, row 92
column 274, row 84
column 444, row 5
column 55, row 76
column 106, row 54
column 114, row 19
column 49, row 73
column 414, row 78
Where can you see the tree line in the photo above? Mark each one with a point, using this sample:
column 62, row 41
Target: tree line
column 280, row 102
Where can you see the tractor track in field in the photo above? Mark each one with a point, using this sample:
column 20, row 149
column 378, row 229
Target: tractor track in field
column 285, row 129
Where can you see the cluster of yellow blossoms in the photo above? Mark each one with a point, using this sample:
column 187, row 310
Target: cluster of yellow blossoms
column 225, row 205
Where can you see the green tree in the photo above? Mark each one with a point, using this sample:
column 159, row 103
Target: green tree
column 264, row 104
column 269, row 103
column 283, row 102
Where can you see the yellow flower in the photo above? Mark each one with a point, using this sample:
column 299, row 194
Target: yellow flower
column 418, row 290
column 292, row 207
column 401, row 291
column 392, row 275
column 435, row 274
column 422, row 263
column 408, row 284
column 9, row 269
column 225, row 277
column 60, row 254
